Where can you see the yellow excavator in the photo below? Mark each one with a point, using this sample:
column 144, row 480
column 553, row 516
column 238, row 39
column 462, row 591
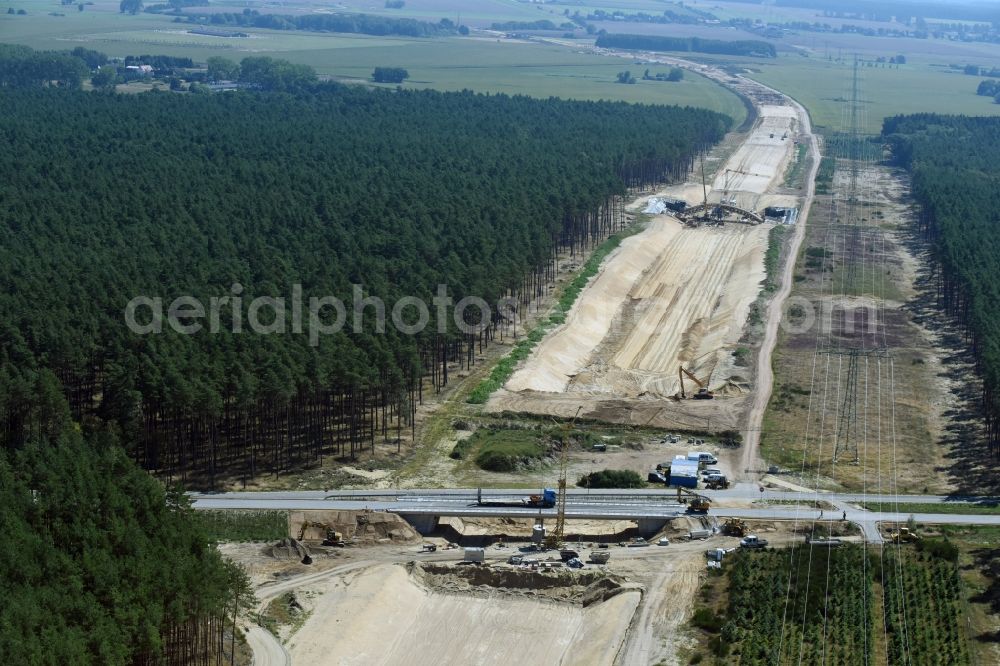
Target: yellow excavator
column 333, row 537
column 703, row 392
column 698, row 503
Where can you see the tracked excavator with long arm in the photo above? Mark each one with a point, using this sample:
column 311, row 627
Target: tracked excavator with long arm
column 703, row 392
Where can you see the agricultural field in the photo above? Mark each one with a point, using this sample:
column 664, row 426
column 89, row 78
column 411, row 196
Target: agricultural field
column 848, row 605
column 483, row 65
column 822, row 86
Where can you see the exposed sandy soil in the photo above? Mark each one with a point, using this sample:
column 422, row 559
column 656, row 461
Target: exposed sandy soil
column 385, row 615
column 668, row 296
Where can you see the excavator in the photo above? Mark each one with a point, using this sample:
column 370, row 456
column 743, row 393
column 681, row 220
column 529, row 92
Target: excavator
column 698, row 503
column 333, row 537
column 703, row 392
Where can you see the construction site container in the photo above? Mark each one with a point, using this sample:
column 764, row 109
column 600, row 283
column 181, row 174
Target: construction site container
column 538, row 534
column 475, row 555
column 684, row 473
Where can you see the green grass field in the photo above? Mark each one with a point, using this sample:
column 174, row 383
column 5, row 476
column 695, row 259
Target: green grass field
column 482, row 65
column 821, row 86
column 955, row 507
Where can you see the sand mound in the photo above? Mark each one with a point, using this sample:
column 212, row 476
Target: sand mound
column 357, row 526
column 287, row 549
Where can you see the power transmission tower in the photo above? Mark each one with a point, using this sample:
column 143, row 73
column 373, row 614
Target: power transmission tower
column 848, row 426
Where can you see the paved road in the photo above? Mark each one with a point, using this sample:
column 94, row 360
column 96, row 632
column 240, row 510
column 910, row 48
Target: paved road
column 602, row 505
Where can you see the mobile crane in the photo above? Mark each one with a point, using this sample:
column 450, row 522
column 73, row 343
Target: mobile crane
column 554, row 540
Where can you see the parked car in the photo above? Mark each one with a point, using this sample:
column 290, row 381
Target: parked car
column 656, row 477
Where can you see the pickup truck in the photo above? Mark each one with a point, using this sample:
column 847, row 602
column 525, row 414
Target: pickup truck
column 752, row 541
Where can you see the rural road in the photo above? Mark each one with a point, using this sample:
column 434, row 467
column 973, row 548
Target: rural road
column 267, row 649
column 751, row 459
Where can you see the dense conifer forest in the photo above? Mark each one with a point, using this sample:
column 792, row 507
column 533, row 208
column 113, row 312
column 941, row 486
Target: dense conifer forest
column 97, row 564
column 108, row 197
column 953, row 161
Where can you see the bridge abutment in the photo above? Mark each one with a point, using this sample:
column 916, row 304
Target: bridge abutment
column 651, row 526
column 423, row 523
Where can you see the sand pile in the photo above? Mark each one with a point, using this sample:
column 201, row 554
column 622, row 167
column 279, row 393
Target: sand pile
column 356, row 526
column 383, row 615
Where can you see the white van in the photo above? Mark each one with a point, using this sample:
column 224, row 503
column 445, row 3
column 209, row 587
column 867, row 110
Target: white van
column 702, row 457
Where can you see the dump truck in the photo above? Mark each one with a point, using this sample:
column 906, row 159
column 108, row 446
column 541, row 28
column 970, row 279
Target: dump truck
column 600, row 557
column 753, row 541
column 546, row 499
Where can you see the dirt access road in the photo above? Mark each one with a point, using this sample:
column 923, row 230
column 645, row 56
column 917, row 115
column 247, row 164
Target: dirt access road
column 671, row 296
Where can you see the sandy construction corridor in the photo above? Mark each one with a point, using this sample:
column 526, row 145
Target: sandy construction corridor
column 668, row 296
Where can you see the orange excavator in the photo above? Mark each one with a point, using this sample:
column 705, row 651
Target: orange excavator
column 703, row 392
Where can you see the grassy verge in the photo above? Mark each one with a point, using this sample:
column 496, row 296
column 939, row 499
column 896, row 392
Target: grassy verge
column 504, row 450
column 824, row 175
column 773, row 256
column 284, row 611
column 506, row 366
column 245, row 525
column 943, row 507
column 796, row 169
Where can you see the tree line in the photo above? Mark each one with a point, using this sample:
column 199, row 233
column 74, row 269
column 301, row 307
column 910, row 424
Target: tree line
column 691, row 44
column 952, row 161
column 364, row 24
column 114, row 196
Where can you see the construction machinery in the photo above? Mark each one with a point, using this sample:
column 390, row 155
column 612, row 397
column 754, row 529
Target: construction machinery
column 903, row 535
column 600, row 557
column 554, row 539
column 332, row 538
column 736, row 527
column 730, row 179
column 697, row 503
column 716, row 482
column 703, row 392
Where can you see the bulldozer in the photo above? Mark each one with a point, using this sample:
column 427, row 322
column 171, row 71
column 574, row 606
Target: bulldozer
column 333, row 537
column 903, row 535
column 698, row 503
column 736, row 527
column 703, row 392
